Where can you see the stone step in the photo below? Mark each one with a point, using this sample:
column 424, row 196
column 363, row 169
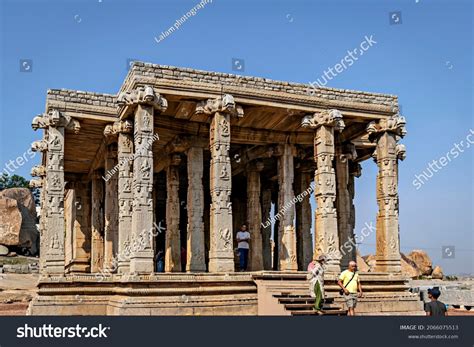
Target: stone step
column 339, row 312
column 292, row 307
column 302, row 300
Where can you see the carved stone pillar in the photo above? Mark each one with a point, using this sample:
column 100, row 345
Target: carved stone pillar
column 78, row 227
column 344, row 204
column 141, row 103
column 326, row 234
column 40, row 172
column 266, row 228
column 303, row 216
column 287, row 253
column 53, row 243
column 97, row 223
column 111, row 210
column 124, row 131
column 221, row 255
column 195, row 236
column 254, row 216
column 173, row 242
column 385, row 133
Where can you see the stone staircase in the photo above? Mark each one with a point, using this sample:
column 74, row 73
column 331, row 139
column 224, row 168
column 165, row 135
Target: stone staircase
column 287, row 294
column 303, row 305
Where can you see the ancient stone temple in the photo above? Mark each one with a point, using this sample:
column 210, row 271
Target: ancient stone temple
column 169, row 168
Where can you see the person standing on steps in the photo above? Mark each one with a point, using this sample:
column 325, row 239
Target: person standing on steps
column 316, row 281
column 350, row 287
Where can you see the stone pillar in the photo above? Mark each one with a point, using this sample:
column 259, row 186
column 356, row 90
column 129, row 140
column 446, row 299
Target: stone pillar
column 40, row 171
column 172, row 235
column 80, row 228
column 121, row 132
column 221, row 254
column 303, row 217
column 344, row 204
column 385, row 133
column 195, row 236
column 141, row 104
column 53, row 244
column 287, row 254
column 254, row 216
column 266, row 228
column 326, row 234
column 111, row 210
column 97, row 223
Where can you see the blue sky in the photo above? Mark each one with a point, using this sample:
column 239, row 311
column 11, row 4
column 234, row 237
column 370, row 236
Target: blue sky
column 426, row 60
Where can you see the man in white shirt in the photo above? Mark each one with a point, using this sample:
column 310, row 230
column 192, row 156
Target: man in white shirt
column 243, row 238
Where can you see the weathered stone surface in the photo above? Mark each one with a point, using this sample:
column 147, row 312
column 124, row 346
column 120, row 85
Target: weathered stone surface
column 422, row 261
column 370, row 261
column 416, row 264
column 3, row 250
column 10, row 222
column 409, row 267
column 17, row 224
column 437, row 273
column 361, row 264
column 23, row 196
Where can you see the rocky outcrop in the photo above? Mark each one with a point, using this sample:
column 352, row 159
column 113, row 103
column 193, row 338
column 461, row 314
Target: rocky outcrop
column 417, row 263
column 18, row 220
column 409, row 267
column 23, row 196
column 361, row 264
column 370, row 261
column 422, row 261
column 437, row 273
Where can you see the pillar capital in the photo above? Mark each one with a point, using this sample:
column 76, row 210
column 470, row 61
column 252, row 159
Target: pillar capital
column 394, row 124
column 141, row 95
column 222, row 104
column 39, row 146
column 36, row 183
column 255, row 166
column 329, row 118
column 54, row 118
column 38, row 171
column 120, row 126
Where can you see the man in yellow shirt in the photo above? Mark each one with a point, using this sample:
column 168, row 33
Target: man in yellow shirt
column 350, row 285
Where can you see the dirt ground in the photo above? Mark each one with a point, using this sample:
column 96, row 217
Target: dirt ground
column 16, row 292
